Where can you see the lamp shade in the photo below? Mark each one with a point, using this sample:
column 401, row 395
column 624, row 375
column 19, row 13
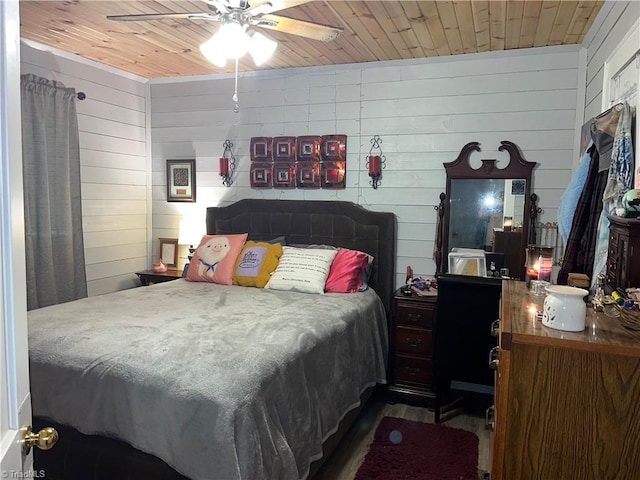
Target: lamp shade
column 234, row 39
column 190, row 232
column 261, row 48
column 213, row 50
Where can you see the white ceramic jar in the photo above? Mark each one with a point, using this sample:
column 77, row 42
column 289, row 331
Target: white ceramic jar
column 564, row 308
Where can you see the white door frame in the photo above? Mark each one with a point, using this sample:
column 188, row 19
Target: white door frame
column 15, row 401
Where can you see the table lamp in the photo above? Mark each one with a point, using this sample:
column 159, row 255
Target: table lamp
column 190, row 233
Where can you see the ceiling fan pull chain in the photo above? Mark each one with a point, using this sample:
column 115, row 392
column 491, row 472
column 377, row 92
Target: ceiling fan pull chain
column 236, row 107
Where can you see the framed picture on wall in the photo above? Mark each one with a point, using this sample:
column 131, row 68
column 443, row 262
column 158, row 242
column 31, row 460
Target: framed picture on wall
column 168, row 251
column 181, row 180
column 517, row 187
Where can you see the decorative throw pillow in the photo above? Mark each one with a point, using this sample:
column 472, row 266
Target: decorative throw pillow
column 302, row 270
column 366, row 273
column 215, row 258
column 314, row 245
column 255, row 263
column 346, row 272
column 281, row 240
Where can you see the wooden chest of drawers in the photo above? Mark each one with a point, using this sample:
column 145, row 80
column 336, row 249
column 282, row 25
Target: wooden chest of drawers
column 566, row 403
column 411, row 358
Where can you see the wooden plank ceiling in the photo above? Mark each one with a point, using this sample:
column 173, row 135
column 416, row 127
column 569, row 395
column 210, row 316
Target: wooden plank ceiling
column 373, row 31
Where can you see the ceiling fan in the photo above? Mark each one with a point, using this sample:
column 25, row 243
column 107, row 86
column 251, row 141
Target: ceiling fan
column 238, row 35
column 250, row 13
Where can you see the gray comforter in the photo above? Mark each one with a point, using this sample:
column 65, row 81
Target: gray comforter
column 221, row 382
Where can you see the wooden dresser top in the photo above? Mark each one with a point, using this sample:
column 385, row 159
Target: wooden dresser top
column 519, row 324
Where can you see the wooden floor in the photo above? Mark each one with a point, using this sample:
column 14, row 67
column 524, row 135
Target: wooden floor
column 345, row 461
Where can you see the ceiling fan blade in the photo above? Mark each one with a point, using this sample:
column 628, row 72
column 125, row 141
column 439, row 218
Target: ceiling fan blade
column 303, row 28
column 257, row 7
column 267, row 6
column 254, row 7
column 160, row 16
column 218, row 6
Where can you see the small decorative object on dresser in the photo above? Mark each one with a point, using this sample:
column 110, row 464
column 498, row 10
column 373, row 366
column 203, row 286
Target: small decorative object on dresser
column 411, row 343
column 159, row 267
column 149, row 277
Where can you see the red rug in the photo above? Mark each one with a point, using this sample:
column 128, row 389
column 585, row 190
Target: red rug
column 403, row 449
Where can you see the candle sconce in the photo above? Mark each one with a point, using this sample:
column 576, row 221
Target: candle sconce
column 376, row 161
column 227, row 164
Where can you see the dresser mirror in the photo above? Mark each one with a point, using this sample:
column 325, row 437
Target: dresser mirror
column 487, row 208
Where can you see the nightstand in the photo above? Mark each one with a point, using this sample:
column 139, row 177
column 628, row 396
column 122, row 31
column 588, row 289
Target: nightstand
column 149, row 277
column 411, row 357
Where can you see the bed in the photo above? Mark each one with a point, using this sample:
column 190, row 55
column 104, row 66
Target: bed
column 188, row 380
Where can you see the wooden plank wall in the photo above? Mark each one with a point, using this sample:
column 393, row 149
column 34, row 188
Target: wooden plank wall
column 114, row 171
column 424, row 111
column 610, row 28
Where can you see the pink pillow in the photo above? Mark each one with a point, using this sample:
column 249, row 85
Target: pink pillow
column 345, row 275
column 215, row 258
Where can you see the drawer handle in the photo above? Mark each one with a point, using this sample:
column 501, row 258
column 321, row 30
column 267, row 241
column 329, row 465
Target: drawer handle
column 413, row 371
column 414, row 317
column 495, row 328
column 493, row 358
column 489, row 423
column 414, row 342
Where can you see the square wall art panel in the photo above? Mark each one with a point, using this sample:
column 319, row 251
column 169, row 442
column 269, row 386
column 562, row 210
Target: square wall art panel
column 332, row 175
column 308, row 175
column 284, row 175
column 284, row 149
column 260, row 149
column 309, row 148
column 260, row 175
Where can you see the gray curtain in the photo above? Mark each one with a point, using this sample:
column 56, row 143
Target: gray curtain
column 52, row 200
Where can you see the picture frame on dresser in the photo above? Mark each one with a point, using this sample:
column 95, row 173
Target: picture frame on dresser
column 181, row 180
column 168, row 251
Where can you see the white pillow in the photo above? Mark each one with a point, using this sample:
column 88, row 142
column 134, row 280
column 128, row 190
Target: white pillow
column 302, row 269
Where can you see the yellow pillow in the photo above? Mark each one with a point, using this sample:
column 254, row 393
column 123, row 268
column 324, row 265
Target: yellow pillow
column 255, row 263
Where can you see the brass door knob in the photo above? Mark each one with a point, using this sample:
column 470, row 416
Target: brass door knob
column 44, row 439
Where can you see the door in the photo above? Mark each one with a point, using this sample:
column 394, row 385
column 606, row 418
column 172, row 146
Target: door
column 15, row 402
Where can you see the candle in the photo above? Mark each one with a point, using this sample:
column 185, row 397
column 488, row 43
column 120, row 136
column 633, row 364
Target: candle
column 532, row 274
column 374, row 165
column 224, row 167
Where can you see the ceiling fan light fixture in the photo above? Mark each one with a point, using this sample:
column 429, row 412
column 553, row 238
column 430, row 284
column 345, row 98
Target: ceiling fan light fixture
column 261, row 48
column 233, row 37
column 213, row 50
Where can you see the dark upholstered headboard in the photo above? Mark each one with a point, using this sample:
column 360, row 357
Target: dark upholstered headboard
column 342, row 224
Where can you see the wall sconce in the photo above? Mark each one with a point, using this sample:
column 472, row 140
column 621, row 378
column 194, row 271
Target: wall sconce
column 227, row 164
column 376, row 161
